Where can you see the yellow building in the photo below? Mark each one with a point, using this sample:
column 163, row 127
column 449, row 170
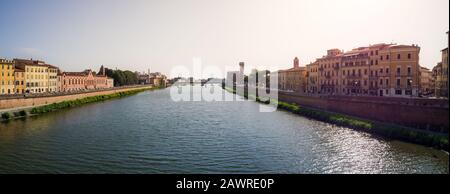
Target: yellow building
column 398, row 71
column 293, row 79
column 36, row 75
column 6, row 77
column 52, row 78
column 19, row 83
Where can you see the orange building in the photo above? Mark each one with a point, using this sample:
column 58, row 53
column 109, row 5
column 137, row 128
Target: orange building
column 19, row 81
column 376, row 70
column 328, row 72
column 312, row 74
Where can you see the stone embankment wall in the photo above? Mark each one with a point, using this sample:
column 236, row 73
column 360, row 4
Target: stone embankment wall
column 18, row 102
column 413, row 112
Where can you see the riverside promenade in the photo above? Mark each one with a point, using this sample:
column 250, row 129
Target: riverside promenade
column 22, row 102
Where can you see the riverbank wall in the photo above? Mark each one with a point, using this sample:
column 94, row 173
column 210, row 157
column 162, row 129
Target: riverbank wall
column 437, row 138
column 18, row 103
column 419, row 113
column 427, row 114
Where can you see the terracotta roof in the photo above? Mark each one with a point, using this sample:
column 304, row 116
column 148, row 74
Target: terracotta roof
column 23, row 62
column 74, row 73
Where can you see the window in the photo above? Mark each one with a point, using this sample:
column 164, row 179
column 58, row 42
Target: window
column 387, row 57
column 398, row 56
column 398, row 82
column 408, row 82
column 387, row 82
column 398, row 92
column 376, row 52
column 387, row 70
column 398, row 70
column 409, row 55
column 381, row 82
column 376, row 62
column 409, row 70
column 381, row 58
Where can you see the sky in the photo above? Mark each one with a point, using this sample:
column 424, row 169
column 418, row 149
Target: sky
column 160, row 34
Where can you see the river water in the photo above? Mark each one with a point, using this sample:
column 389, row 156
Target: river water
column 150, row 133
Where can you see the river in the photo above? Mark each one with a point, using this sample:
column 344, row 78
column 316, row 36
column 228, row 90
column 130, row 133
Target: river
column 150, row 133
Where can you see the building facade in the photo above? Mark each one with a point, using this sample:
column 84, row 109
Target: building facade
column 441, row 75
column 328, row 72
column 6, row 77
column 36, row 75
column 399, row 67
column 375, row 70
column 312, row 74
column 426, row 86
column 293, row 79
column 52, row 78
column 81, row 81
column 19, row 81
column 236, row 77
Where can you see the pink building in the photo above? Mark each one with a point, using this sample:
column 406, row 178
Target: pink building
column 85, row 80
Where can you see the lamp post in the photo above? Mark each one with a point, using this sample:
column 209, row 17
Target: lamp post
column 410, row 85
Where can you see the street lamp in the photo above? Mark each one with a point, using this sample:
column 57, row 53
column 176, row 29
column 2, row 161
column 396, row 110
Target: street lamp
column 410, row 85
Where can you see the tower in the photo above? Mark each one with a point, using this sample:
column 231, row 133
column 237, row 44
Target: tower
column 102, row 71
column 296, row 62
column 240, row 77
column 241, row 68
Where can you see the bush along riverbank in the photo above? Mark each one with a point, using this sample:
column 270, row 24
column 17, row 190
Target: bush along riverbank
column 70, row 103
column 418, row 136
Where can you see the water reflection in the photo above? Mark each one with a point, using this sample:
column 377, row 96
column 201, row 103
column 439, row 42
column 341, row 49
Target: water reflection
column 149, row 133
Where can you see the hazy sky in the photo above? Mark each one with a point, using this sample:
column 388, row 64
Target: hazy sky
column 159, row 34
